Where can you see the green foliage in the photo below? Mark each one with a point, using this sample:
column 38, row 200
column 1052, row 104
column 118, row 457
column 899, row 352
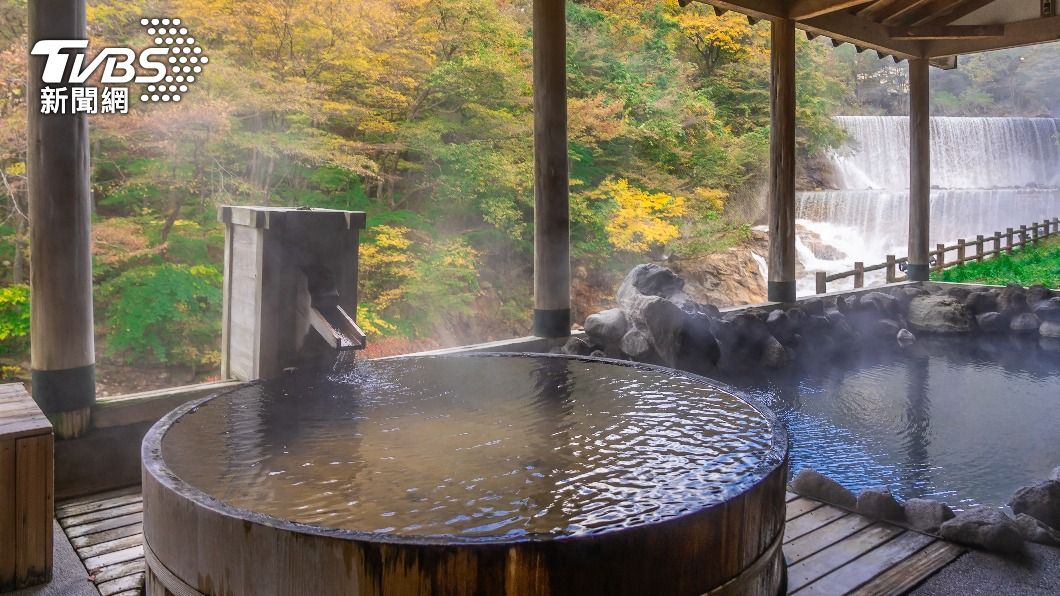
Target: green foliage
column 1038, row 265
column 14, row 319
column 164, row 314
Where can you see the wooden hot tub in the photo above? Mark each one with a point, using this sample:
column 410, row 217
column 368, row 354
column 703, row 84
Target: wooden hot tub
column 488, row 474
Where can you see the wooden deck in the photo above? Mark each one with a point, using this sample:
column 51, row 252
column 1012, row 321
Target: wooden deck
column 829, row 550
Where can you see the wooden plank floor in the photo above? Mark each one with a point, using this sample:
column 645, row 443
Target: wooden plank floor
column 106, row 531
column 833, row 551
column 829, row 550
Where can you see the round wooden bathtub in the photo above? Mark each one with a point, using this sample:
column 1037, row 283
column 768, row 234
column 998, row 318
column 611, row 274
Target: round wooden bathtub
column 679, row 508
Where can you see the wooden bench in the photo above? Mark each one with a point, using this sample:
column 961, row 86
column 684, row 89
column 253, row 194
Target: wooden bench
column 26, row 485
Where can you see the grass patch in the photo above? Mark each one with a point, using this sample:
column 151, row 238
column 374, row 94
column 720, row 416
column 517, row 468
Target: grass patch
column 1026, row 267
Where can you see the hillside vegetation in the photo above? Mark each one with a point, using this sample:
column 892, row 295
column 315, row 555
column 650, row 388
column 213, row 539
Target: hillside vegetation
column 419, row 112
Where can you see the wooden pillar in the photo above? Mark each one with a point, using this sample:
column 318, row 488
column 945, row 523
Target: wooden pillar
column 61, row 333
column 919, row 170
column 781, row 286
column 551, row 202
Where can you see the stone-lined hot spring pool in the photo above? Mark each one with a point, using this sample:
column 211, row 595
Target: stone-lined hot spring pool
column 966, row 420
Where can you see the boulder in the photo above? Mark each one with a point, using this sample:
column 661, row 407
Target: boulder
column 981, row 302
column 905, row 337
column 651, row 280
column 1049, row 329
column 664, row 322
column 1048, row 310
column 813, row 307
column 887, row 327
column 1012, row 300
column 607, row 327
column 1035, row 531
column 958, row 292
column 773, row 353
column 636, row 345
column 879, row 503
column 885, row 304
column 1024, row 323
column 986, row 528
column 992, row 322
column 1038, row 293
column 598, row 354
column 939, row 314
column 577, row 346
column 905, row 294
column 926, row 515
column 811, row 483
column 781, row 326
column 697, row 349
column 1040, row 501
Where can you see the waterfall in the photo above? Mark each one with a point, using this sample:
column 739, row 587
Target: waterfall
column 987, row 174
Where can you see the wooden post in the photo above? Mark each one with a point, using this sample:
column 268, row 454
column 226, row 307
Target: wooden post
column 891, row 265
column 919, row 170
column 960, row 251
column 940, row 259
column 1056, row 224
column 781, row 286
column 1034, row 233
column 552, row 316
column 1008, row 234
column 822, row 282
column 859, row 274
column 979, row 248
column 1023, row 237
column 997, row 244
column 62, row 349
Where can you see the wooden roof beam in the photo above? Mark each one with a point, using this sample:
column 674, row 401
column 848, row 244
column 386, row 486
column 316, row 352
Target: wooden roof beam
column 805, row 9
column 1020, row 33
column 947, row 32
column 953, row 12
column 862, row 32
column 896, row 17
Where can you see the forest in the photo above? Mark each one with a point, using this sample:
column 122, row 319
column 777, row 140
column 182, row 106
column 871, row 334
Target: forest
column 419, row 112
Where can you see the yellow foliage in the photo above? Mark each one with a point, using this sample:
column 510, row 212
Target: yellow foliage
column 708, row 199
column 643, row 220
column 387, row 263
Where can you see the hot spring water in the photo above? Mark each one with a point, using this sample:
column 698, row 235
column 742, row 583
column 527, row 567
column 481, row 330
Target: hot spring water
column 987, row 174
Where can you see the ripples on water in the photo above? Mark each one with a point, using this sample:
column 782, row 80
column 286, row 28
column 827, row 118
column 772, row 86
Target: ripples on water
column 472, row 446
column 964, row 420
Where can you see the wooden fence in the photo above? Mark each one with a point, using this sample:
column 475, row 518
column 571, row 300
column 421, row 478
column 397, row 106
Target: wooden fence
column 1001, row 242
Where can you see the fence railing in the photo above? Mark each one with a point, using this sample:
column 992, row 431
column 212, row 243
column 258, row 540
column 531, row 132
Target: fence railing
column 1001, row 242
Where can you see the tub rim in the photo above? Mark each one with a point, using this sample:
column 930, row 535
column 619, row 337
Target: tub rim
column 154, row 464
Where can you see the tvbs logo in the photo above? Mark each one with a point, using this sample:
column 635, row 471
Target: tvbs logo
column 165, row 69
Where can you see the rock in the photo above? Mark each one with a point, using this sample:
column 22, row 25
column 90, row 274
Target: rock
column 1038, row 293
column 958, row 292
column 577, row 346
column 847, row 304
column 1035, row 531
column 726, row 278
column 905, row 337
column 811, row 483
column 885, row 304
column 879, row 503
column 1048, row 310
column 781, row 326
column 981, row 302
column 697, row 349
column 984, row 527
column 887, row 328
column 992, row 322
column 598, row 354
column 1024, row 323
column 773, row 353
column 635, row 344
column 905, row 294
column 939, row 314
column 607, row 327
column 926, row 515
column 1049, row 329
column 664, row 321
column 651, row 280
column 1040, row 501
column 1055, row 474
column 1012, row 300
column 813, row 307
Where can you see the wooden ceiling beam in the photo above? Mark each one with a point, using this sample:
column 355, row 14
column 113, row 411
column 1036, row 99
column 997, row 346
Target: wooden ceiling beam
column 870, row 11
column 953, row 12
column 862, row 32
column 1020, row 33
column 805, row 9
column 895, row 17
column 927, row 12
column 947, row 32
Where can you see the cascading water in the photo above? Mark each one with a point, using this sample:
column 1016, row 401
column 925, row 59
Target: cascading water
column 987, row 174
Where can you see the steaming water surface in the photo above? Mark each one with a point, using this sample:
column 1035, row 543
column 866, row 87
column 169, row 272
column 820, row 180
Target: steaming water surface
column 475, row 447
column 966, row 420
